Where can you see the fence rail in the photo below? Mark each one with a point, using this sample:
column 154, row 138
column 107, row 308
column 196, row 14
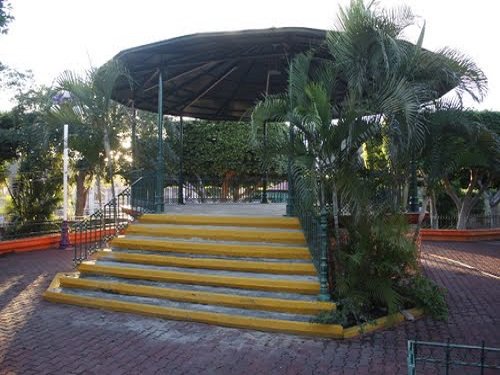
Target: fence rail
column 210, row 190
column 147, row 194
column 15, row 230
column 450, row 222
column 453, row 358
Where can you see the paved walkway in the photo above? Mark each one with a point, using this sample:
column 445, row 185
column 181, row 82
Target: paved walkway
column 38, row 337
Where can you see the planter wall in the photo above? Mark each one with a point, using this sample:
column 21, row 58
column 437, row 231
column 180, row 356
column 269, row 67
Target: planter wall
column 46, row 242
column 455, row 235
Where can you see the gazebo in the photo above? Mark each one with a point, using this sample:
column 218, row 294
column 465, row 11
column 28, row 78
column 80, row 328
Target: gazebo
column 212, row 76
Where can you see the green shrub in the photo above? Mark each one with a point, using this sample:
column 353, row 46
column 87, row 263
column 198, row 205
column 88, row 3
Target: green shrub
column 423, row 293
column 378, row 255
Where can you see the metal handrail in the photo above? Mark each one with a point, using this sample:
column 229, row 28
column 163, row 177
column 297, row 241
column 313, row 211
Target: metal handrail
column 96, row 230
column 314, row 222
column 415, row 348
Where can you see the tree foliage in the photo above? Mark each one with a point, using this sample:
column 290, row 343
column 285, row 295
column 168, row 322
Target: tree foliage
column 461, row 156
column 6, row 16
column 35, row 189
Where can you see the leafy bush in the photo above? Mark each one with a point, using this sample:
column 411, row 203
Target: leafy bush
column 376, row 257
column 379, row 272
column 425, row 294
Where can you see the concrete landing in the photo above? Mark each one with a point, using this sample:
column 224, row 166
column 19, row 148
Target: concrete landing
column 231, row 209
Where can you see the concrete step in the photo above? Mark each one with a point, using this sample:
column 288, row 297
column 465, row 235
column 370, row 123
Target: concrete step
column 204, row 288
column 228, row 317
column 235, row 271
column 261, row 266
column 255, row 283
column 220, row 234
column 222, row 249
column 240, row 221
column 200, row 297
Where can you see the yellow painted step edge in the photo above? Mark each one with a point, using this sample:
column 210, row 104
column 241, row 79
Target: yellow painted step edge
column 215, row 264
column 346, row 333
column 248, row 251
column 243, row 221
column 221, row 234
column 291, row 286
column 208, row 298
column 380, row 323
column 227, row 320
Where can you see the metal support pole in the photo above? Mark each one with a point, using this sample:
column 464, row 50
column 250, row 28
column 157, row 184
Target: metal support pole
column 413, row 204
column 264, row 178
column 180, row 196
column 134, row 154
column 64, row 243
column 160, row 166
column 483, row 356
column 290, row 209
column 324, row 294
column 134, row 138
column 447, row 357
column 266, row 162
column 410, row 359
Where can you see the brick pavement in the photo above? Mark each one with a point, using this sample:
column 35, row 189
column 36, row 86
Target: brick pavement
column 38, row 337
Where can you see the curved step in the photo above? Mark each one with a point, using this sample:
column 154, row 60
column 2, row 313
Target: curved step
column 293, row 237
column 192, row 296
column 214, row 264
column 228, row 320
column 270, row 284
column 229, row 250
column 241, row 221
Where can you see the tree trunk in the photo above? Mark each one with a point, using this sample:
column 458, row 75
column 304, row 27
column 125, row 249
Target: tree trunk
column 421, row 217
column 434, row 212
column 463, row 215
column 99, row 191
column 466, row 204
column 336, row 231
column 81, row 192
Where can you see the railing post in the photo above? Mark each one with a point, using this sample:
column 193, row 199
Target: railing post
column 482, row 358
column 447, row 355
column 410, row 359
column 290, row 208
column 180, row 192
column 265, row 174
column 160, row 172
column 324, row 293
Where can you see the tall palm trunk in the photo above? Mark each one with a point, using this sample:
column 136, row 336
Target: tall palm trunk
column 81, row 192
column 336, row 231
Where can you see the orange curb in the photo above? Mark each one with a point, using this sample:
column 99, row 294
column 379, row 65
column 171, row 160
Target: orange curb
column 46, row 242
column 455, row 235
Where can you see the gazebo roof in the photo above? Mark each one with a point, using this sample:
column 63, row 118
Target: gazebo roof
column 221, row 75
column 217, row 76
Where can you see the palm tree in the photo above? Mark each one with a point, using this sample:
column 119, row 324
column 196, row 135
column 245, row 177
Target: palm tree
column 94, row 113
column 390, row 77
column 374, row 81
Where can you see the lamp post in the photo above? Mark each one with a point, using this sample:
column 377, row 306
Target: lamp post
column 64, row 243
column 58, row 99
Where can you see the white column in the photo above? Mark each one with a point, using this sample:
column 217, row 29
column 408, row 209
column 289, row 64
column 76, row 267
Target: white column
column 65, row 173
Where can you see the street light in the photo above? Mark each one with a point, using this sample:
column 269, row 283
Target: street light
column 58, row 99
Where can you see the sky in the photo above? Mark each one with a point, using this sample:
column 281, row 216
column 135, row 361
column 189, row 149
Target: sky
column 51, row 36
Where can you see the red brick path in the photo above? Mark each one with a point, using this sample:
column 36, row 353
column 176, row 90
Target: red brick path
column 38, row 337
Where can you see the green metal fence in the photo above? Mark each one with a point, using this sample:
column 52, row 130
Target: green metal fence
column 450, row 358
column 143, row 196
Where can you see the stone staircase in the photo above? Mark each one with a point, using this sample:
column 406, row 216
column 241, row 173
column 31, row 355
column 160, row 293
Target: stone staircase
column 244, row 272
